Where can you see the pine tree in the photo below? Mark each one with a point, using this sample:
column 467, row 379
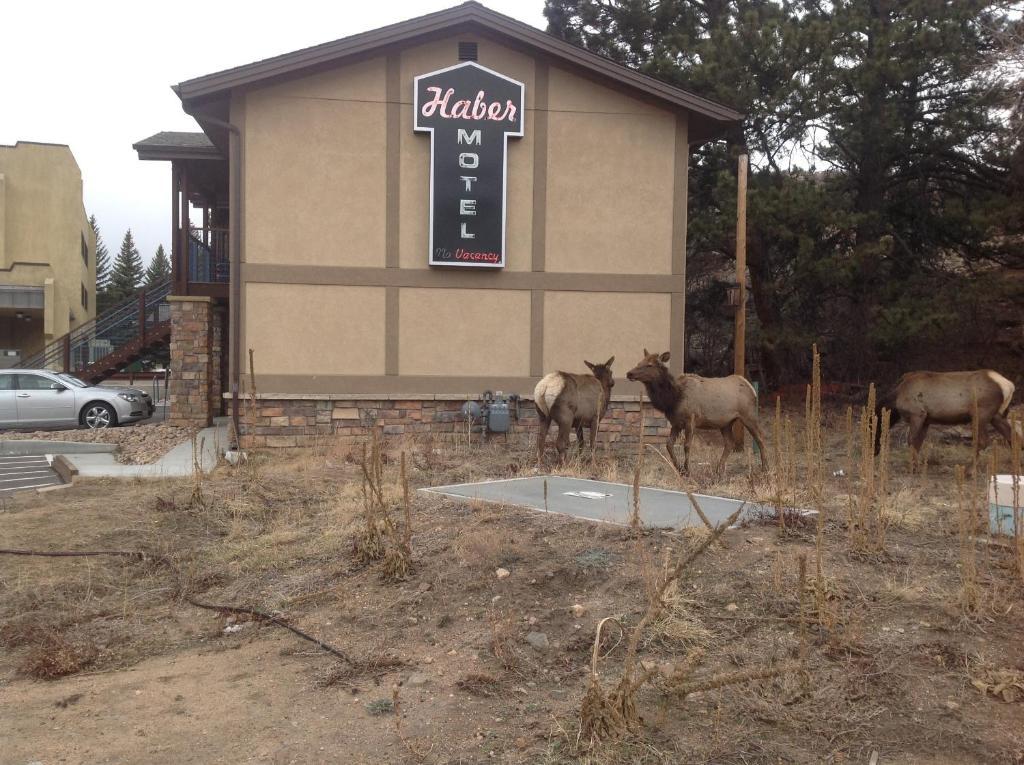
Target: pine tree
column 102, row 258
column 159, row 267
column 127, row 273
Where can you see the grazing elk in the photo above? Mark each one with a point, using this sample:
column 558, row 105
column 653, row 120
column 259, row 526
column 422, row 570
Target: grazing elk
column 948, row 398
column 709, row 403
column 572, row 401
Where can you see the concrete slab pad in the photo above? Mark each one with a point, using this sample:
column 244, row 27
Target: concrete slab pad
column 598, row 500
column 177, row 462
column 13, row 447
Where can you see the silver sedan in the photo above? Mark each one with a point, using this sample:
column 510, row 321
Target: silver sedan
column 38, row 398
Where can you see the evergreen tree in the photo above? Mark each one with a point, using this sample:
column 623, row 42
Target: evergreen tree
column 126, row 275
column 159, row 267
column 103, row 298
column 102, row 258
column 877, row 256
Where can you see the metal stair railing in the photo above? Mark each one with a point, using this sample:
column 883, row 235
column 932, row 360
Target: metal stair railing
column 105, row 334
column 208, row 262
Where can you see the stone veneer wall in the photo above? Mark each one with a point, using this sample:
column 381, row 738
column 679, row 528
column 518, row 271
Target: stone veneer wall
column 285, row 422
column 196, row 347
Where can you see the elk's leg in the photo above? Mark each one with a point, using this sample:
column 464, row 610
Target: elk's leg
column 544, row 422
column 672, row 437
column 562, row 444
column 687, row 440
column 579, row 438
column 755, row 432
column 594, row 425
column 918, row 425
column 1002, row 426
column 728, row 444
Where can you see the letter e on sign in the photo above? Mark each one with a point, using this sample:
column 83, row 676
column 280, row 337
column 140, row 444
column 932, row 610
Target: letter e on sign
column 470, row 113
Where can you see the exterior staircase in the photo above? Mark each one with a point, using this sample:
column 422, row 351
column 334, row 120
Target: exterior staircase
column 117, row 337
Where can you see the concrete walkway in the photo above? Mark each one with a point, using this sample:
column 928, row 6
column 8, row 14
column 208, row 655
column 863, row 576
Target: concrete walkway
column 177, row 462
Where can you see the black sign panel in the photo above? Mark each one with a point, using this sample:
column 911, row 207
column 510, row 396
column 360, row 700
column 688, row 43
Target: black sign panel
column 470, row 112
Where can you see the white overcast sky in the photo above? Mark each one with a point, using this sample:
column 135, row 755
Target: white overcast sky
column 97, row 77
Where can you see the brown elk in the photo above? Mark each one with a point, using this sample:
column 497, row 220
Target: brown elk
column 708, row 403
column 949, row 398
column 573, row 401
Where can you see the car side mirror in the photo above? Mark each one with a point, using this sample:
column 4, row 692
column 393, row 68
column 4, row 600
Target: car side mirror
column 57, row 387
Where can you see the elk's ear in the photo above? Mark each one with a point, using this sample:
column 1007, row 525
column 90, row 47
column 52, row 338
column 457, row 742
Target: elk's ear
column 589, row 365
column 609, row 362
column 665, row 357
column 646, row 352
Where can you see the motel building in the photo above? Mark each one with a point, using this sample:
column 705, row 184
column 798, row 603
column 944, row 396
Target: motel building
column 397, row 221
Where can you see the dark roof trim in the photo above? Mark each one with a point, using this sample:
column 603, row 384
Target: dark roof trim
column 469, row 12
column 177, row 145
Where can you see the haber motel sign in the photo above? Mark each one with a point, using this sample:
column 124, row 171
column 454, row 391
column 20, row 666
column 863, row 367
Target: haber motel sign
column 470, row 113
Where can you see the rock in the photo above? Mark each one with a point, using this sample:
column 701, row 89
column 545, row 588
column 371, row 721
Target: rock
column 578, row 610
column 417, row 679
column 538, row 641
column 952, row 705
column 732, row 607
column 502, row 573
column 424, row 587
column 531, row 620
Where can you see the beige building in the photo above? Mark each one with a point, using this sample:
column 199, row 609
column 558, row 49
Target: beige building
column 455, row 203
column 47, row 248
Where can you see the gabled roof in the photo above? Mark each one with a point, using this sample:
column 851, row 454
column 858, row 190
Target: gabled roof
column 177, row 145
column 468, row 16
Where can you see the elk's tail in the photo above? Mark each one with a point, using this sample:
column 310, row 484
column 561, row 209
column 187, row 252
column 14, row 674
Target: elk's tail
column 546, row 391
column 1006, row 387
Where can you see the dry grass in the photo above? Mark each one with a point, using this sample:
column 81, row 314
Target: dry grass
column 276, row 533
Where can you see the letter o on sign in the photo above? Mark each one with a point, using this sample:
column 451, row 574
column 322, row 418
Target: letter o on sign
column 469, row 161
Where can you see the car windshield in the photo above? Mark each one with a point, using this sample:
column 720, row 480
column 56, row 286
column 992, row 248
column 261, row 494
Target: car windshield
column 73, row 380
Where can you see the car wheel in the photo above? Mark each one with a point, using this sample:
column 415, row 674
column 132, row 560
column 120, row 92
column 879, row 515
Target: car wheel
column 98, row 415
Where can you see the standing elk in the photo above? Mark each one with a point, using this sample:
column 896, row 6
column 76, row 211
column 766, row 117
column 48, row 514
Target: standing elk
column 708, row 403
column 948, row 398
column 573, row 401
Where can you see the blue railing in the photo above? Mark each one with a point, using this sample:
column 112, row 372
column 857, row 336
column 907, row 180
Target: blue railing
column 208, row 256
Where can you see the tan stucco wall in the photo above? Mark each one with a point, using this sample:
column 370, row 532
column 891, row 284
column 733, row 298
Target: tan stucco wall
column 42, row 222
column 314, row 169
column 595, row 326
column 464, row 332
column 315, row 193
column 315, row 329
column 610, row 175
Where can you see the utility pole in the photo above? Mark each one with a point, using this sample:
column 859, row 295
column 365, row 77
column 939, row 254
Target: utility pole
column 740, row 337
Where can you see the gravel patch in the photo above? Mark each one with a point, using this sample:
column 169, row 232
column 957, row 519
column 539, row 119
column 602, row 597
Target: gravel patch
column 137, row 444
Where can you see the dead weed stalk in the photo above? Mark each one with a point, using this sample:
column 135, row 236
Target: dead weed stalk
column 381, row 538
column 607, row 715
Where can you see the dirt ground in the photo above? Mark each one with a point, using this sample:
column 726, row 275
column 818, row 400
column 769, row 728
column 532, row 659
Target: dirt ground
column 901, row 657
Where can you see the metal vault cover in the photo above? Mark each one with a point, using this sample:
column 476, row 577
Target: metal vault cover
column 598, row 500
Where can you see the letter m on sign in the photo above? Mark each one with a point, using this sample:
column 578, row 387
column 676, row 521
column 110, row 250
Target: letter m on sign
column 470, row 113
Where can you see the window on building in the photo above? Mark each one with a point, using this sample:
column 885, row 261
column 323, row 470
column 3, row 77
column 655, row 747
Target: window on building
column 85, row 298
column 85, row 250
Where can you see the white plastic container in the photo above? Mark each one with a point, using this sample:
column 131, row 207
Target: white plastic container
column 1001, row 503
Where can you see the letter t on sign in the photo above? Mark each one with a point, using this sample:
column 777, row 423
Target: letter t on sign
column 476, row 139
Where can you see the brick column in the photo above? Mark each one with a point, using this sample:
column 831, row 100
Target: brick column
column 218, row 347
column 191, row 384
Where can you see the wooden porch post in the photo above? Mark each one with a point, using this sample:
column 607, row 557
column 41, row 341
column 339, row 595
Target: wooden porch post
column 177, row 273
column 184, row 233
